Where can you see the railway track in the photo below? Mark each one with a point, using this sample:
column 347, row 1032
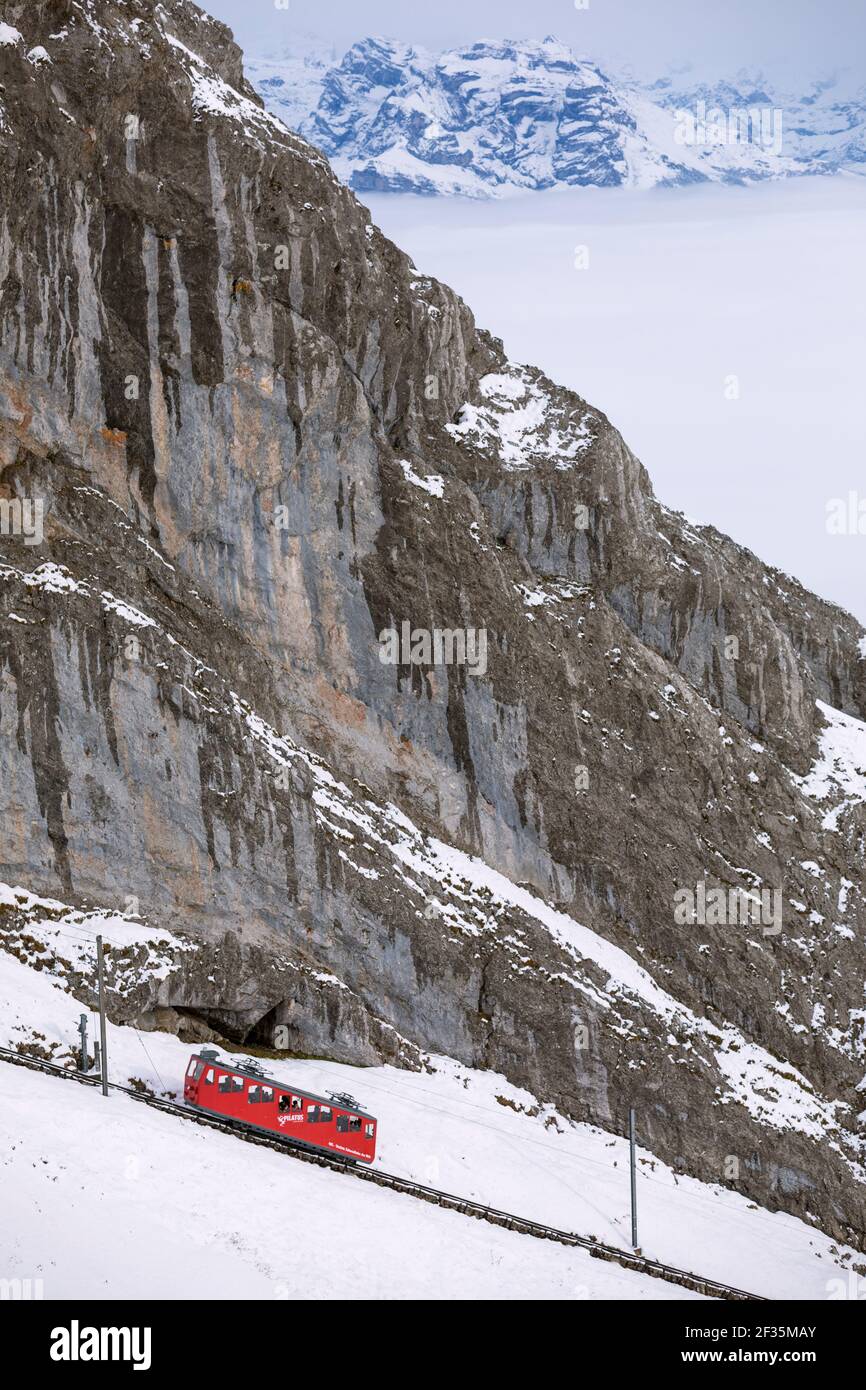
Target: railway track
column 466, row 1206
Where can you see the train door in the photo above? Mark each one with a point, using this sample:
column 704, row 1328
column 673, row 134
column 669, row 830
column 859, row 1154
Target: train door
column 192, row 1079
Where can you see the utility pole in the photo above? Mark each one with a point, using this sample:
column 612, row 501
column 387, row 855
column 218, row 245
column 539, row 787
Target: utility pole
column 82, row 1029
column 103, row 1053
column 633, row 1180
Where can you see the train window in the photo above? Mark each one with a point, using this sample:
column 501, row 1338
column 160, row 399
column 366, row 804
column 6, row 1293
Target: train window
column 342, row 1124
column 254, row 1095
column 208, row 1081
column 313, row 1114
column 225, row 1083
column 267, row 1094
column 237, row 1083
column 326, row 1115
column 285, row 1103
column 354, row 1123
column 199, row 1068
column 297, row 1103
column 191, row 1068
column 368, row 1130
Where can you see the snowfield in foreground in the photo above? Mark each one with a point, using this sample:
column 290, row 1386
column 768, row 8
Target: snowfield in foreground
column 206, row 1214
column 112, row 1200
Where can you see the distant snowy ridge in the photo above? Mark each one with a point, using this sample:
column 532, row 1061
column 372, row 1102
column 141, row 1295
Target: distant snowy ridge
column 501, row 116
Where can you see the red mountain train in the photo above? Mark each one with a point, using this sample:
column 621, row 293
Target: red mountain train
column 245, row 1095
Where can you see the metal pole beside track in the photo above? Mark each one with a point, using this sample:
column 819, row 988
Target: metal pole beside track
column 84, row 1059
column 102, row 1047
column 633, row 1180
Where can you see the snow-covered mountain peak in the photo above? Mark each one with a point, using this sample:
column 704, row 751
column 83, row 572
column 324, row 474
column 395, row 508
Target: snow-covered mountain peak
column 501, row 115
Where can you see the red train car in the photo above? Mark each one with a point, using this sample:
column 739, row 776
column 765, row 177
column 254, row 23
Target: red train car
column 244, row 1094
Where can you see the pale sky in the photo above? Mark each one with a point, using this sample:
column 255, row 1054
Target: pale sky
column 794, row 39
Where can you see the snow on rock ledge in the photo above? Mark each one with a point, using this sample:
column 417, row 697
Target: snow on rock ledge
column 521, row 422
column 839, row 771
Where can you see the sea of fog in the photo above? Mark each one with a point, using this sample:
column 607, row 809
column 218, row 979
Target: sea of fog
column 722, row 329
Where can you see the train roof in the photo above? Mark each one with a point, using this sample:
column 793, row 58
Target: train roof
column 253, row 1073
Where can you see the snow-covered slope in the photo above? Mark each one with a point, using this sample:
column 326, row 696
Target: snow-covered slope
column 208, row 1216
column 504, row 115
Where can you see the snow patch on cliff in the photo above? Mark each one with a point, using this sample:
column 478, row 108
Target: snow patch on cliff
column 56, row 579
column 59, row 942
column 839, row 771
column 433, row 484
column 213, row 96
column 520, row 422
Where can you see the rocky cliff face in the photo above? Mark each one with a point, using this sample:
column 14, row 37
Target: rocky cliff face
column 258, row 439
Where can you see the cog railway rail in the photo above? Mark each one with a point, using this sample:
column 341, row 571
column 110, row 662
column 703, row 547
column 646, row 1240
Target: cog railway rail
column 466, row 1206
